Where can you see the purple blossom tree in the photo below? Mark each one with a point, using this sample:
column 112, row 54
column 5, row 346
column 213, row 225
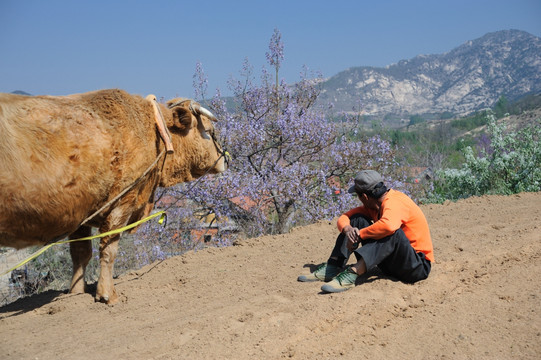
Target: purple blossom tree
column 290, row 164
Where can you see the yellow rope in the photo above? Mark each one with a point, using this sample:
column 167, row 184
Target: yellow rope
column 112, row 232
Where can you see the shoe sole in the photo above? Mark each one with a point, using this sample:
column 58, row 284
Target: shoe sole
column 329, row 289
column 304, row 278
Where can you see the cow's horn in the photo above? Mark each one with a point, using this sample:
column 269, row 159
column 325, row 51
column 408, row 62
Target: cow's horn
column 179, row 101
column 202, row 111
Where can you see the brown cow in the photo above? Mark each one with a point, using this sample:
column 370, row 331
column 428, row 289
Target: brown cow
column 64, row 158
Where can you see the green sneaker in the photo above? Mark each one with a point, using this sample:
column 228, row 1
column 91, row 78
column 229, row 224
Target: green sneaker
column 324, row 272
column 342, row 282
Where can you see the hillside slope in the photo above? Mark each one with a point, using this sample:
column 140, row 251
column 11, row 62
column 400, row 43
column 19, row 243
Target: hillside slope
column 481, row 301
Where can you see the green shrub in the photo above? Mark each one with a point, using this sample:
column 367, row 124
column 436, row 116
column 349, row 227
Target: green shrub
column 508, row 163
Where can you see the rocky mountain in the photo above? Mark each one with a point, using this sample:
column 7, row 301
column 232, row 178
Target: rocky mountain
column 468, row 78
column 20, row 92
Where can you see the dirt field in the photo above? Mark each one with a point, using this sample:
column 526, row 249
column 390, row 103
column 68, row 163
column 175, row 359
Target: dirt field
column 481, row 301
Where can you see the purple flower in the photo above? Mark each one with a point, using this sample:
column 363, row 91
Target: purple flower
column 276, row 50
column 200, row 82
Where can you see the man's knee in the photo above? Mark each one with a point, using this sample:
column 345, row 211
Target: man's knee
column 359, row 221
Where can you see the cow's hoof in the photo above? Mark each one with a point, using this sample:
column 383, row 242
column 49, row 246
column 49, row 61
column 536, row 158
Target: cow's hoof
column 103, row 299
column 106, row 299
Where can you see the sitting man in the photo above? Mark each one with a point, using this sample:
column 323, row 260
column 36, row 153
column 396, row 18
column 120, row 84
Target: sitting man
column 393, row 234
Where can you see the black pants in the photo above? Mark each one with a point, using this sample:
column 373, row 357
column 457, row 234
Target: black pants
column 393, row 254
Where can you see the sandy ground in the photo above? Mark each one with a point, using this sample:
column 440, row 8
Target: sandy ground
column 481, row 301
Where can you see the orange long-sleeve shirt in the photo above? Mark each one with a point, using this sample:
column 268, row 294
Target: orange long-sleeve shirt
column 397, row 211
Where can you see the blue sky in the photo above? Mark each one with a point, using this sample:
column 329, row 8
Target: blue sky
column 58, row 47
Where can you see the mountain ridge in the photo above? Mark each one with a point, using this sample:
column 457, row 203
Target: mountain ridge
column 465, row 79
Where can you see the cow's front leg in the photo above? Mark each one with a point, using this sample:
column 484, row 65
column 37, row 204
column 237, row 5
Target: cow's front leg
column 106, row 289
column 81, row 252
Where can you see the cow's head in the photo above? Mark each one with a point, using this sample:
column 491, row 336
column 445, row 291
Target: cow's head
column 196, row 150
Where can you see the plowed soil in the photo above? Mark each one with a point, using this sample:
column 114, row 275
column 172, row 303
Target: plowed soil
column 481, row 301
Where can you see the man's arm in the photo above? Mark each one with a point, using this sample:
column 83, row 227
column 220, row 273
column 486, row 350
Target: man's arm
column 390, row 221
column 343, row 220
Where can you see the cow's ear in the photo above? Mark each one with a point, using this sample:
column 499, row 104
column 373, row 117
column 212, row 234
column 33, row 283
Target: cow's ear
column 182, row 118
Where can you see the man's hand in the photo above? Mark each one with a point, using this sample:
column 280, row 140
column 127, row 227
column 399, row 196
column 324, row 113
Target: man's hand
column 352, row 236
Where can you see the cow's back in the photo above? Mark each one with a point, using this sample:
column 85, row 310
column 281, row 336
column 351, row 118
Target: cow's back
column 62, row 157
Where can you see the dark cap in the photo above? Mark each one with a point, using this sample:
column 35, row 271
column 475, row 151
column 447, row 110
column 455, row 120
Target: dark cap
column 365, row 181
